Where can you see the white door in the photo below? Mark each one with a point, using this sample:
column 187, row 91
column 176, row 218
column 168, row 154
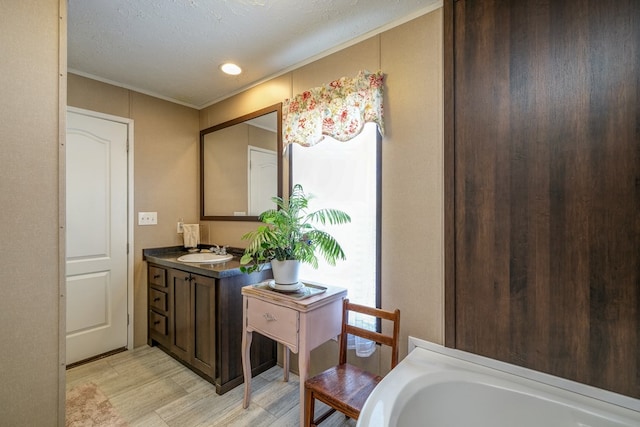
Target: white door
column 96, row 246
column 263, row 179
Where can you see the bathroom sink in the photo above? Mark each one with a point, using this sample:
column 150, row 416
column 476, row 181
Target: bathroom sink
column 205, row 258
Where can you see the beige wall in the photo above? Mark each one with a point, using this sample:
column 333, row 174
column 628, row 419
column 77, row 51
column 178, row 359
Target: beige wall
column 413, row 177
column 410, row 55
column 33, row 51
column 166, row 172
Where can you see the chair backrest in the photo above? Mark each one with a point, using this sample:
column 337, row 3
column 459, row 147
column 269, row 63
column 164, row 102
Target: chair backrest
column 390, row 340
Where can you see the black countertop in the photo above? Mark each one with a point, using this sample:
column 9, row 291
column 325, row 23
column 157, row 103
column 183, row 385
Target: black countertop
column 168, row 257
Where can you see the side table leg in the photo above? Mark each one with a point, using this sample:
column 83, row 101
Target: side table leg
column 247, row 337
column 285, row 363
column 303, row 368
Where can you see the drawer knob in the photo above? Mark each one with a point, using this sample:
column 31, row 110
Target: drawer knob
column 156, row 276
column 270, row 317
column 157, row 322
column 156, row 299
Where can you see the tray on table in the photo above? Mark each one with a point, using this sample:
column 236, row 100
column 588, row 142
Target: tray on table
column 307, row 290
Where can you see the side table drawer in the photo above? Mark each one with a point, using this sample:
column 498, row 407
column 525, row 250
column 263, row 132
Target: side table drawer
column 157, row 300
column 276, row 322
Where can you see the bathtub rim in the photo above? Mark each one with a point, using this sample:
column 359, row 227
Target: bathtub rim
column 385, row 405
column 606, row 396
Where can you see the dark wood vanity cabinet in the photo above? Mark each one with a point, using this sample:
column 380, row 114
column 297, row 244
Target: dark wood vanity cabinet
column 198, row 320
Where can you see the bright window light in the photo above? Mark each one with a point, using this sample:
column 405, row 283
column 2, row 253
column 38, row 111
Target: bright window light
column 343, row 175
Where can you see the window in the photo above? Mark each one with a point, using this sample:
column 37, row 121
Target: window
column 346, row 176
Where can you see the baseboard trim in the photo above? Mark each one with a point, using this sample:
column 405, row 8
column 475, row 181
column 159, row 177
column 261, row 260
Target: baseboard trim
column 98, row 357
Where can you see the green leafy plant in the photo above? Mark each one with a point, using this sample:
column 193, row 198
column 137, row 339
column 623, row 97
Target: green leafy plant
column 289, row 233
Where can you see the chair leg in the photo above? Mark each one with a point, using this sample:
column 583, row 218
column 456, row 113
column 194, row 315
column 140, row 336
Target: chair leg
column 323, row 417
column 309, row 408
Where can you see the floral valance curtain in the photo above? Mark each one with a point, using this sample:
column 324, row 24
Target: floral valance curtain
column 338, row 109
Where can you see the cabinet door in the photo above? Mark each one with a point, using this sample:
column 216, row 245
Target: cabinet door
column 180, row 318
column 203, row 310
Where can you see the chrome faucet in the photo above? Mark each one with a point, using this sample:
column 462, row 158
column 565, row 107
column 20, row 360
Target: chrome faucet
column 219, row 250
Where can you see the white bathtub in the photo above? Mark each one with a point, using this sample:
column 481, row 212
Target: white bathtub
column 439, row 387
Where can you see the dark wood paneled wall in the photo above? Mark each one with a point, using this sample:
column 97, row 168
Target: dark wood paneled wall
column 542, row 134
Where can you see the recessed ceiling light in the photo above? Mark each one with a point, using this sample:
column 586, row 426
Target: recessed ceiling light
column 230, row 68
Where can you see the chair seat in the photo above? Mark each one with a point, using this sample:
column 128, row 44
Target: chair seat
column 344, row 387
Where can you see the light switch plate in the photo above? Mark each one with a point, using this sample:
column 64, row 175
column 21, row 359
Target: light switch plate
column 147, row 218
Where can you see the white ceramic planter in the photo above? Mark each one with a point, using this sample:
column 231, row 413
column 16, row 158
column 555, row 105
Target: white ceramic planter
column 286, row 272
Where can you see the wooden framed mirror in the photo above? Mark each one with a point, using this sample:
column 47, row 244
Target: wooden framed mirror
column 241, row 166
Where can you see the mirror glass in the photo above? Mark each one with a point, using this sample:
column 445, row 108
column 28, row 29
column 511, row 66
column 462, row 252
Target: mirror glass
column 241, row 166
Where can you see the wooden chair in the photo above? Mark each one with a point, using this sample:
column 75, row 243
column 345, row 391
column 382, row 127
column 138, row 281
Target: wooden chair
column 345, row 387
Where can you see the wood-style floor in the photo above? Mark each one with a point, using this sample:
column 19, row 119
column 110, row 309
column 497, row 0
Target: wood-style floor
column 150, row 389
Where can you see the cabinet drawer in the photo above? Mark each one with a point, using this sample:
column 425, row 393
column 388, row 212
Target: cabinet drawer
column 157, row 322
column 274, row 321
column 157, row 276
column 157, row 299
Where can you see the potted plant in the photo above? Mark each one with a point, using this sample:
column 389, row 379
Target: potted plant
column 288, row 237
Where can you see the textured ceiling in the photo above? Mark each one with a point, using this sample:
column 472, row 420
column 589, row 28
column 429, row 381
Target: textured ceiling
column 173, row 48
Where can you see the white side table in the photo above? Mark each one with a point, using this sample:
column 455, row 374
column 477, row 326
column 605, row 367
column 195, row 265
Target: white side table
column 300, row 325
